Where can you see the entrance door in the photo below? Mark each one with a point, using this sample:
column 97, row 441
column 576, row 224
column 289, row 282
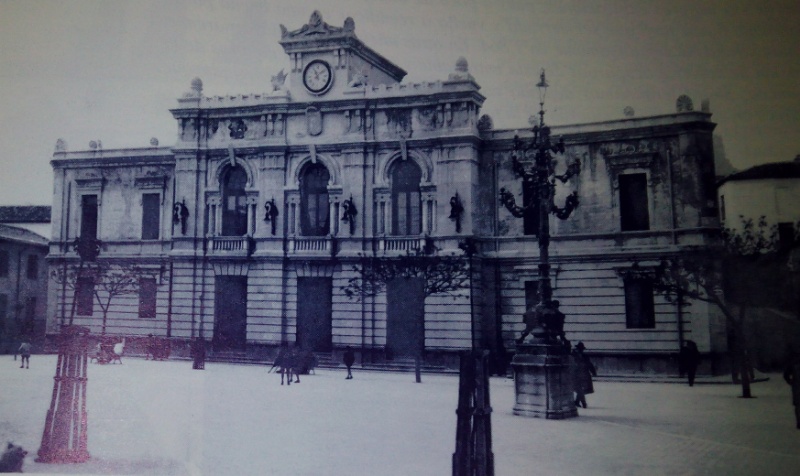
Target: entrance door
column 405, row 317
column 230, row 313
column 314, row 314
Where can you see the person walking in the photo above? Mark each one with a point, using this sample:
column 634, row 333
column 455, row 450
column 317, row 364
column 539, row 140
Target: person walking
column 582, row 371
column 286, row 363
column 792, row 376
column 349, row 360
column 198, row 354
column 688, row 360
column 25, row 353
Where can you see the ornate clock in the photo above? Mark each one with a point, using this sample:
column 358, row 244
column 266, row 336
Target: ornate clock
column 317, row 77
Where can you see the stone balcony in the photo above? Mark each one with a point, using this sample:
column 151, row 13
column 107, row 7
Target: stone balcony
column 399, row 244
column 311, row 245
column 230, row 246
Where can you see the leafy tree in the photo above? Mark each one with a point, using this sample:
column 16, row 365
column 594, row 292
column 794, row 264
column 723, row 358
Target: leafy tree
column 733, row 266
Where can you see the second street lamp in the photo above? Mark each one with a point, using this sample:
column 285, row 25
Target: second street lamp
column 543, row 361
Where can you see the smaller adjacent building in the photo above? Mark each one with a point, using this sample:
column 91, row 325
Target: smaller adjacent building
column 23, row 275
column 770, row 190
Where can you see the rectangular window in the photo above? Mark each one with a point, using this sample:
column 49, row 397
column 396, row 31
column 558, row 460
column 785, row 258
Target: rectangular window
column 3, row 309
column 531, row 294
column 634, row 215
column 530, row 202
column 415, row 213
column 3, row 263
column 722, row 207
column 402, row 210
column 407, row 219
column 147, row 297
column 33, row 267
column 89, row 217
column 151, row 216
column 30, row 309
column 639, row 307
column 84, row 296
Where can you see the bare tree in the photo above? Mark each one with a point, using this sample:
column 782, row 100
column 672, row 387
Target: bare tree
column 733, row 266
column 445, row 274
column 110, row 280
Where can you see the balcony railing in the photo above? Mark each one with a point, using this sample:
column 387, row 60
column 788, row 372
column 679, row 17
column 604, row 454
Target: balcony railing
column 315, row 245
column 392, row 244
column 231, row 245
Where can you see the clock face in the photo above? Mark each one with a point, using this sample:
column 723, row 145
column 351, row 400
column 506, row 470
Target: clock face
column 317, row 76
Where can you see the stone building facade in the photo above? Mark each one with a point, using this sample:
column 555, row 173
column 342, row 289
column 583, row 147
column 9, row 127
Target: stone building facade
column 251, row 222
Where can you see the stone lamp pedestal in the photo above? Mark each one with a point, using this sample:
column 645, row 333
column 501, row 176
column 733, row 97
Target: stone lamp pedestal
column 542, row 381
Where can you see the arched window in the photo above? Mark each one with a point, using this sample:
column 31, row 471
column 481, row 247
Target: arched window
column 314, row 200
column 406, row 205
column 234, row 208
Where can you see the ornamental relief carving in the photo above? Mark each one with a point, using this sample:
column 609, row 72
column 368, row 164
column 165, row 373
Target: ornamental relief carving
column 458, row 114
column 630, row 148
column 430, row 118
column 188, row 130
column 237, row 128
column 359, row 121
column 398, row 123
column 628, row 155
column 247, row 128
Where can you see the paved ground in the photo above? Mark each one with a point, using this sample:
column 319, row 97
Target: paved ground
column 164, row 418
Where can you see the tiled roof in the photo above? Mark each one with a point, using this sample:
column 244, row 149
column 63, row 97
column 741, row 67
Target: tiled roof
column 21, row 235
column 774, row 170
column 25, row 214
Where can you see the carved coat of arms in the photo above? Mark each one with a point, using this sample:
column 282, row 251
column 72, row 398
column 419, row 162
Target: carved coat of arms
column 314, row 121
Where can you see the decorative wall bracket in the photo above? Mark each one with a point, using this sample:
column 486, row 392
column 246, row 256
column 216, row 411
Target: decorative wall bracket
column 349, row 213
column 180, row 215
column 456, row 210
column 271, row 213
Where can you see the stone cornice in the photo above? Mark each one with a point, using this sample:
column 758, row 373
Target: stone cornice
column 113, row 158
column 339, row 147
column 606, row 131
column 407, row 95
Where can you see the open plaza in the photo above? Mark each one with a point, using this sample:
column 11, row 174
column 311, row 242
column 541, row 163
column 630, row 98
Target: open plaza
column 162, row 417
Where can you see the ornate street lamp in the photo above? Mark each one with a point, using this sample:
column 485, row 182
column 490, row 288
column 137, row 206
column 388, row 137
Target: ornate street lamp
column 540, row 179
column 533, row 161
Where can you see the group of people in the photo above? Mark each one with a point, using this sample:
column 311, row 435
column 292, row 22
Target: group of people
column 291, row 362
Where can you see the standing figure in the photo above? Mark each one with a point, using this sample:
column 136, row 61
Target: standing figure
column 25, row 353
column 294, row 364
column 284, row 363
column 792, row 376
column 582, row 373
column 688, row 359
column 150, row 347
column 198, row 354
column 349, row 360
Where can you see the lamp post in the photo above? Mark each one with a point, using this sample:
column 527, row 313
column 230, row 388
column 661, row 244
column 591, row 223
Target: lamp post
column 541, row 365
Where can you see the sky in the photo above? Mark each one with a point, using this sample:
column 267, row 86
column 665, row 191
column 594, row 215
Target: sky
column 110, row 70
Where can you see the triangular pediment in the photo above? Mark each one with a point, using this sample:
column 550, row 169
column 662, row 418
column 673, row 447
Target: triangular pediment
column 316, row 28
column 318, row 36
